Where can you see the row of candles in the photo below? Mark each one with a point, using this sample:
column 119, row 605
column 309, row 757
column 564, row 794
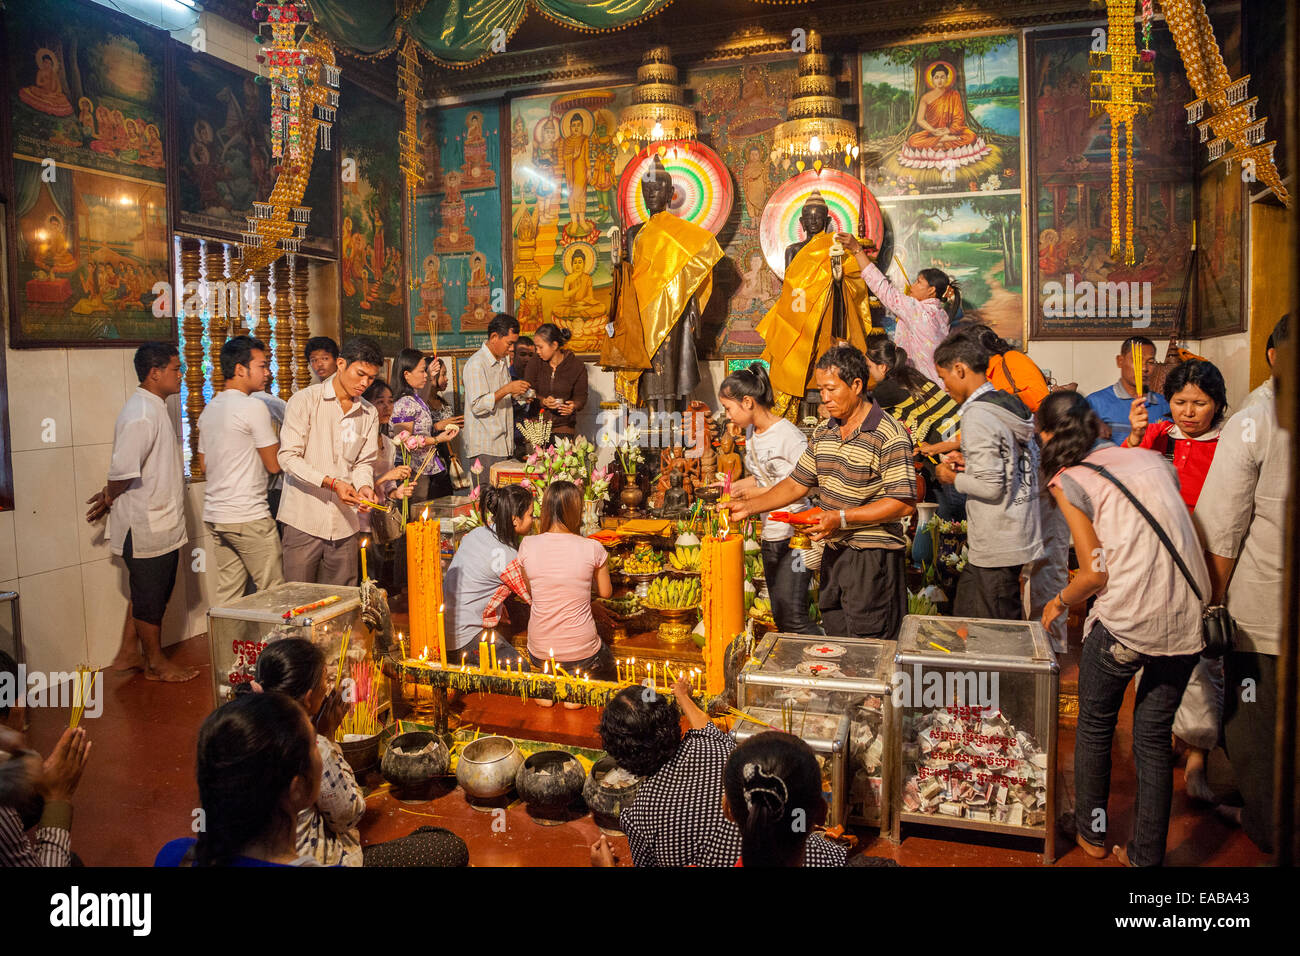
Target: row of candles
column 659, row 673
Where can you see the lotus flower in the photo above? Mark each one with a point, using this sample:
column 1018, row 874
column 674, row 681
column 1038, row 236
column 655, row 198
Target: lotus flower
column 477, row 467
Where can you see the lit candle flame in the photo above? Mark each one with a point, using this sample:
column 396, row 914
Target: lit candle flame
column 365, row 542
column 424, row 515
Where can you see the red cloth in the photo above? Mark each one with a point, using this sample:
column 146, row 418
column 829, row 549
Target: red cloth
column 1191, row 458
column 48, row 290
column 512, row 581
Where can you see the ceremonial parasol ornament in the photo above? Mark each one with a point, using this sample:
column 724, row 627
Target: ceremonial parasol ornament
column 702, row 191
column 843, row 193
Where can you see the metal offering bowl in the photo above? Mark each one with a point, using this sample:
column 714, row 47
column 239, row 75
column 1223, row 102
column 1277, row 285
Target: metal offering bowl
column 604, row 801
column 549, row 781
column 414, row 759
column 487, row 767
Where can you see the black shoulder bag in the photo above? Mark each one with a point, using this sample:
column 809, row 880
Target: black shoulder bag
column 1217, row 626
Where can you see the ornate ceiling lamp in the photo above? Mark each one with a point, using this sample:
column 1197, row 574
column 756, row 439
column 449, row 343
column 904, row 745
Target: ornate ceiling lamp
column 1232, row 121
column 304, row 85
column 815, row 132
column 656, row 114
column 1122, row 81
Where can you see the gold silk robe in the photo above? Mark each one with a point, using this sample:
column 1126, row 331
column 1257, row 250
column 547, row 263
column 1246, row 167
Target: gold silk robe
column 796, row 338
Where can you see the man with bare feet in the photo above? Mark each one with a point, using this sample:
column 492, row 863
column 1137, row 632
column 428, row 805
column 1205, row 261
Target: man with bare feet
column 145, row 503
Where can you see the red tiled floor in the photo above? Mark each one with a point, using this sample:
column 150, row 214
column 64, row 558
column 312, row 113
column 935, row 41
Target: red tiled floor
column 138, row 791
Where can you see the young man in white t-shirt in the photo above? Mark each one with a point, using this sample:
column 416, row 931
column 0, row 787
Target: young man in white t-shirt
column 145, row 503
column 238, row 447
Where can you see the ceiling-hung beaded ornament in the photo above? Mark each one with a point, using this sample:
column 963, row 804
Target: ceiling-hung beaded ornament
column 815, row 133
column 1122, row 82
column 656, row 113
column 1231, row 131
column 410, row 152
column 304, row 85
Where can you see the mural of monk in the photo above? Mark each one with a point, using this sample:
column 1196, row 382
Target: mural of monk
column 944, row 139
column 47, row 93
column 574, row 154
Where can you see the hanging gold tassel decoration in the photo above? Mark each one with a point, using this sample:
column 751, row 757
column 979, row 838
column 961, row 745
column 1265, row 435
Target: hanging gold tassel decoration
column 1232, row 121
column 1122, row 82
column 410, row 155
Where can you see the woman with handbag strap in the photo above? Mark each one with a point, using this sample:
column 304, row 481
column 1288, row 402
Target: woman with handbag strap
column 1198, row 400
column 1135, row 542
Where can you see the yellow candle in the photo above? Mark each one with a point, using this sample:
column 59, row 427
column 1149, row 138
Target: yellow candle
column 401, row 644
column 442, row 635
column 364, row 542
column 483, row 655
column 492, row 651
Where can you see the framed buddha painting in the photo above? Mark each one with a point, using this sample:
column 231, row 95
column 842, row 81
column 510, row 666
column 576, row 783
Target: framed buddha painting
column 89, row 232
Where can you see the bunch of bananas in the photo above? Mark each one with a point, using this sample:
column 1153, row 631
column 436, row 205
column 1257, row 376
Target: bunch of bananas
column 685, row 559
column 644, row 560
column 762, row 608
column 669, row 593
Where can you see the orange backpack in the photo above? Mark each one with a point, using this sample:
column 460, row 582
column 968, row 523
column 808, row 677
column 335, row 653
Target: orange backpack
column 1015, row 372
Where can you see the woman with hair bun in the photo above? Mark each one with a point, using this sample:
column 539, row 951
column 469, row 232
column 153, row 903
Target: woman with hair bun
column 924, row 313
column 680, row 816
column 559, row 377
column 773, row 793
column 773, row 446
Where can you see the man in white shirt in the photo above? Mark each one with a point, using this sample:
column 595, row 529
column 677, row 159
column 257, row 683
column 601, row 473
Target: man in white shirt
column 145, row 502
column 328, row 448
column 276, row 406
column 489, row 398
column 1241, row 516
column 238, row 446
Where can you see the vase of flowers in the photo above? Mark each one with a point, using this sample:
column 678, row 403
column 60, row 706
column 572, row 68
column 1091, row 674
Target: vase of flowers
column 627, row 453
column 567, row 460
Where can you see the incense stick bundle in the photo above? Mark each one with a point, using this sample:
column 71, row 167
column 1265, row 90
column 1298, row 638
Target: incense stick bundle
column 343, row 657
column 85, row 676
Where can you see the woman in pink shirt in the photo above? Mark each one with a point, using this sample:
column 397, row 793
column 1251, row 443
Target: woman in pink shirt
column 560, row 565
column 923, row 319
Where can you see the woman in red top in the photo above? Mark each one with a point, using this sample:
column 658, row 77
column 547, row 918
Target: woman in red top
column 1197, row 402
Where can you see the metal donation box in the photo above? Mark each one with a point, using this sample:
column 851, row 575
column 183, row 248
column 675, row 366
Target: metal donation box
column 835, row 694
column 977, row 716
column 239, row 631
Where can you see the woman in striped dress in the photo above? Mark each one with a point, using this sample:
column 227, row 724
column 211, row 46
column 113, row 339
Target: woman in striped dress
column 920, row 406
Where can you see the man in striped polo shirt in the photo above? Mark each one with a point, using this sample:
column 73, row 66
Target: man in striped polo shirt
column 860, row 466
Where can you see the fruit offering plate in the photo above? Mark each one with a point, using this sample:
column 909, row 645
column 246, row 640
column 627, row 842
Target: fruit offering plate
column 670, row 612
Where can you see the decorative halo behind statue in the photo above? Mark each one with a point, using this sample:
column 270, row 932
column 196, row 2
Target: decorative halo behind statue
column 702, row 188
column 843, row 194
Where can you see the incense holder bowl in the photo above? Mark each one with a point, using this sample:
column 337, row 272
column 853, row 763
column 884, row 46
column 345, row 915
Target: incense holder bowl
column 607, row 791
column 487, row 768
column 414, row 760
column 549, row 782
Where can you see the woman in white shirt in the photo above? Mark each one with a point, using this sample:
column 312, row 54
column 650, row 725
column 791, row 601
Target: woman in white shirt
column 1147, row 616
column 773, row 446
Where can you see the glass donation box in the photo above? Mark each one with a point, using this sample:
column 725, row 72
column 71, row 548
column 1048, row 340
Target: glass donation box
column 810, row 683
column 322, row 613
column 977, row 716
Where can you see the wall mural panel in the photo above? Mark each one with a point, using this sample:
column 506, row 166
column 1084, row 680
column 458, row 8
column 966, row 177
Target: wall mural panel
column 738, row 108
column 89, row 230
column 941, row 143
column 943, row 116
column 458, row 241
column 224, row 159
column 1070, row 175
column 564, row 170
column 372, row 267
